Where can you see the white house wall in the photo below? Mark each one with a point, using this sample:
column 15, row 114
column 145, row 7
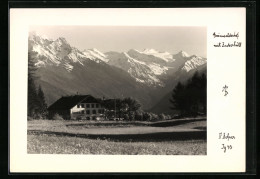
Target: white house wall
column 76, row 112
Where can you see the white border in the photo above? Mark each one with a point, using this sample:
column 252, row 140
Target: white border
column 225, row 114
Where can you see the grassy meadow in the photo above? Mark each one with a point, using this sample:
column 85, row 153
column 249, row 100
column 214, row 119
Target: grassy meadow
column 171, row 137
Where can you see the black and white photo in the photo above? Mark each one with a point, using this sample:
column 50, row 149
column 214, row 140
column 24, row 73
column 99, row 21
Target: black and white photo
column 139, row 90
column 128, row 90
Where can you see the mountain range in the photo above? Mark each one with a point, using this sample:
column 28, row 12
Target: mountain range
column 147, row 75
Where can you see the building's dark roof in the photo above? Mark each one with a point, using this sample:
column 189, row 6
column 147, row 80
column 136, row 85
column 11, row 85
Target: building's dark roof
column 91, row 100
column 67, row 102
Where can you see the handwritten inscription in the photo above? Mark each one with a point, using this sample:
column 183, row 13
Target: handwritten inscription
column 227, row 138
column 233, row 43
column 225, row 90
column 226, row 35
column 225, row 147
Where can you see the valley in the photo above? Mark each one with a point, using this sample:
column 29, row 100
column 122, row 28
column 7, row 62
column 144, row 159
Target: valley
column 148, row 76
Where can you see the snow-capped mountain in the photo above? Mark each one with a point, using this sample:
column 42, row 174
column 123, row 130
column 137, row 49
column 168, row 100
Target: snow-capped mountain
column 193, row 63
column 95, row 55
column 166, row 56
column 64, row 69
column 55, row 52
column 60, row 52
column 145, row 66
column 142, row 72
column 150, row 66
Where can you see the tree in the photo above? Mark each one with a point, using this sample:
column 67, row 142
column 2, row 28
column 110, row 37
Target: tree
column 162, row 116
column 125, row 108
column 37, row 106
column 154, row 116
column 190, row 98
column 32, row 92
column 147, row 116
column 139, row 115
column 32, row 99
column 132, row 106
column 42, row 103
column 203, row 96
column 121, row 107
column 115, row 108
column 178, row 98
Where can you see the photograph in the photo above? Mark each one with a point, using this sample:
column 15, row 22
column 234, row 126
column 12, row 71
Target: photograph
column 117, row 90
column 134, row 90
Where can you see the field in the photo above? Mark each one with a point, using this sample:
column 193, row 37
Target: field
column 172, row 137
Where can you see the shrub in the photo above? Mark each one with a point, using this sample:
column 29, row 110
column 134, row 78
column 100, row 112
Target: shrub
column 154, row 117
column 131, row 116
column 147, row 116
column 126, row 117
column 139, row 115
column 162, row 116
column 57, row 117
column 168, row 117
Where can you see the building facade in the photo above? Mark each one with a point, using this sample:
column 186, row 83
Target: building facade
column 84, row 107
column 89, row 110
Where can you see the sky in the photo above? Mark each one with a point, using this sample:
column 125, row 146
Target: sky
column 192, row 40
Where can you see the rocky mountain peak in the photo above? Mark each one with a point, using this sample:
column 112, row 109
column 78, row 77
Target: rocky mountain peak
column 183, row 54
column 147, row 66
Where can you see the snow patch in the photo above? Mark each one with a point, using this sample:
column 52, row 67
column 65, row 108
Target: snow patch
column 94, row 54
column 74, row 58
column 157, row 69
column 42, row 52
column 134, row 60
column 99, row 53
column 68, row 67
column 150, row 51
column 40, row 64
column 194, row 63
column 166, row 56
column 139, row 80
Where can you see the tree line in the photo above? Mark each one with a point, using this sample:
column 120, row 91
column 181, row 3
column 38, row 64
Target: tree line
column 190, row 98
column 37, row 107
column 129, row 109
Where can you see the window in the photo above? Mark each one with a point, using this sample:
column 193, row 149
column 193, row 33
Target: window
column 100, row 111
column 87, row 105
column 97, row 105
column 82, row 112
column 92, row 105
column 87, row 111
column 78, row 106
column 94, row 112
column 82, row 105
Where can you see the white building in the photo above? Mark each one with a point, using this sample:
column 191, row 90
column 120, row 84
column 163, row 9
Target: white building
column 84, row 107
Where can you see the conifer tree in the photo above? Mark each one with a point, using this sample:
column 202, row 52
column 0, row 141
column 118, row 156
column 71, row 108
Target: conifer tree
column 41, row 102
column 178, row 98
column 32, row 92
column 37, row 106
column 190, row 98
column 32, row 99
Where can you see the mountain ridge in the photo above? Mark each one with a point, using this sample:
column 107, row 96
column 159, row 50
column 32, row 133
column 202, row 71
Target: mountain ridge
column 145, row 75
